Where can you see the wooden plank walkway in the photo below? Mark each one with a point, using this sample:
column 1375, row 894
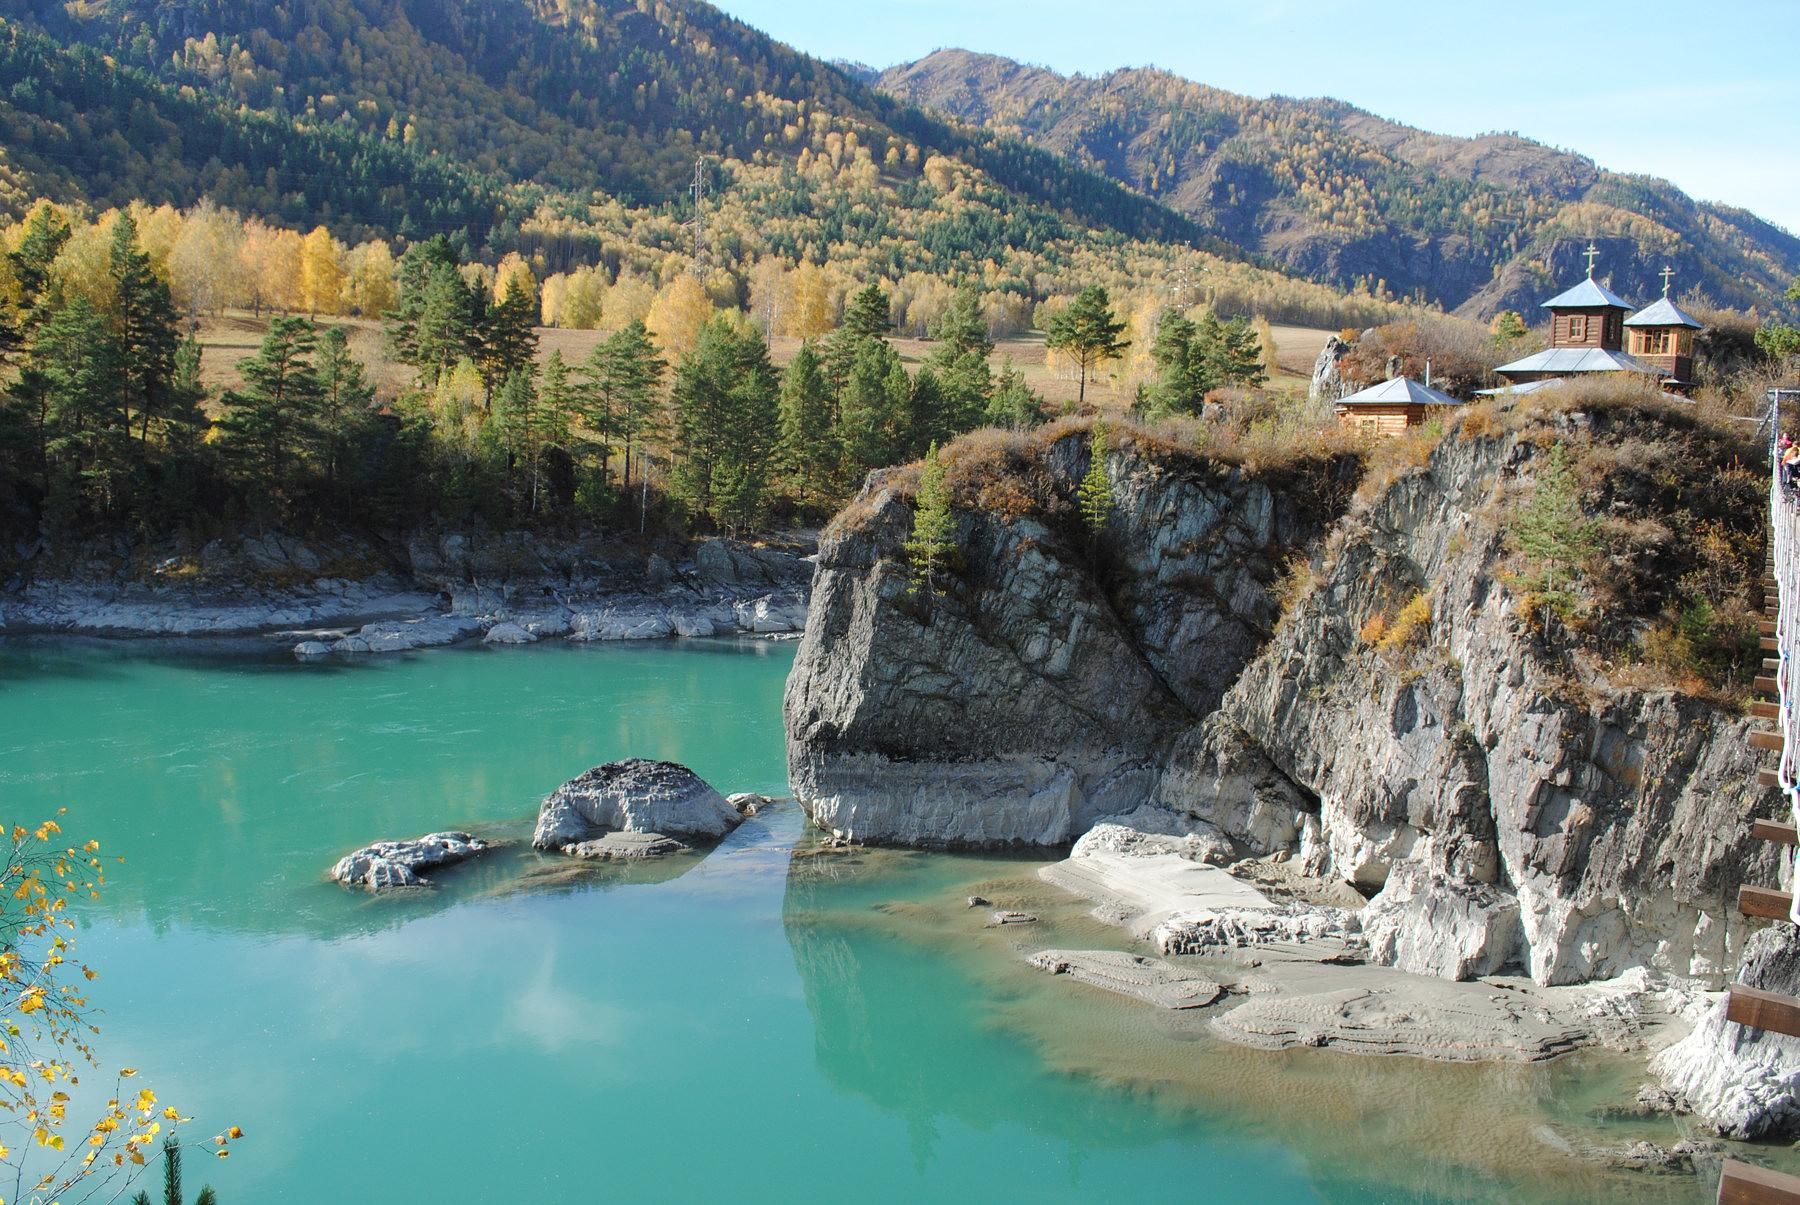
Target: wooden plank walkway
column 1746, row 1184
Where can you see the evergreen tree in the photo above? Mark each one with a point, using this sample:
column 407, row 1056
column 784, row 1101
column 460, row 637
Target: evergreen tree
column 809, row 448
column 726, row 420
column 930, row 418
column 960, row 364
column 445, row 332
column 508, row 334
column 618, row 394
column 1088, row 332
column 144, row 330
column 521, row 433
column 1554, row 534
column 345, row 396
column 1014, row 405
column 46, row 231
column 933, row 540
column 875, row 409
column 1194, row 358
column 865, row 322
column 75, row 367
column 270, row 429
column 1095, row 494
column 1178, row 385
column 171, row 1149
column 1229, row 353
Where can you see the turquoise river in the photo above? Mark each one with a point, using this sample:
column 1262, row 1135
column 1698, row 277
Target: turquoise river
column 769, row 1022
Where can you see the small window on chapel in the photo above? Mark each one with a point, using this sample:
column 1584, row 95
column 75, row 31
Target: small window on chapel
column 1577, row 328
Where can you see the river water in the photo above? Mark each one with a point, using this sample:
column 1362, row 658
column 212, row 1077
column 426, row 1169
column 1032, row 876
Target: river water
column 769, row 1022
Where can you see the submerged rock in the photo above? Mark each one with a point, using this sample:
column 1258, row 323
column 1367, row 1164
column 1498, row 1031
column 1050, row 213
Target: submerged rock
column 1005, row 917
column 1148, row 979
column 636, row 796
column 625, row 847
column 389, row 864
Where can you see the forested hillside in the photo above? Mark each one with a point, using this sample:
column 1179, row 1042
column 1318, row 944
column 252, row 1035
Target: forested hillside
column 574, row 95
column 1340, row 195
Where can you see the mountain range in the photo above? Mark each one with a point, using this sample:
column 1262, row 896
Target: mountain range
column 405, row 117
column 1338, row 194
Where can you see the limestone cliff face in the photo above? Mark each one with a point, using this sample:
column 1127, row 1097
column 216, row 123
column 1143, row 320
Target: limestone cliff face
column 1508, row 813
column 1042, row 684
column 1502, row 807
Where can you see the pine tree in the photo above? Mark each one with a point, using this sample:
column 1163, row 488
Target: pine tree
column 508, row 334
column 933, row 540
column 1554, row 534
column 171, row 1149
column 517, row 419
column 345, row 396
column 74, row 368
column 960, row 364
column 618, row 392
column 144, row 329
column 1178, row 388
column 270, row 429
column 875, row 409
column 1230, row 353
column 809, row 448
column 1014, row 405
column 1096, row 492
column 46, row 231
column 865, row 323
column 726, row 420
column 1088, row 332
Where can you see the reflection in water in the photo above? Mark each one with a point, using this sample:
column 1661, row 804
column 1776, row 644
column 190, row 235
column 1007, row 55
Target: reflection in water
column 885, row 947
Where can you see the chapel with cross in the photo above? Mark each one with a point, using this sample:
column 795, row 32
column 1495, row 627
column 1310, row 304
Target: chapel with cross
column 1588, row 327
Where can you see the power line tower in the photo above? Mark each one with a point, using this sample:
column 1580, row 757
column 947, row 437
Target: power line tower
column 696, row 224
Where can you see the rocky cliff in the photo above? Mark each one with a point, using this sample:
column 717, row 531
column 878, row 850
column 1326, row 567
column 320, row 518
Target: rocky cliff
column 1043, row 684
column 1410, row 726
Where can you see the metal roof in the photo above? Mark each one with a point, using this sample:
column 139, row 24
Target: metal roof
column 1589, row 294
column 1663, row 312
column 1580, row 359
column 1400, row 391
column 1524, row 387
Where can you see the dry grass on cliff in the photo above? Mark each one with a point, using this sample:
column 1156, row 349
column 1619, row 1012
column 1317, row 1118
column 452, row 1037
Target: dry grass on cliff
column 1677, row 492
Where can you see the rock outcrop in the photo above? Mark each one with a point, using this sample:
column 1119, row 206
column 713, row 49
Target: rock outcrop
column 1039, row 690
column 1407, row 727
column 633, row 796
column 1744, row 1083
column 1328, row 383
column 390, row 864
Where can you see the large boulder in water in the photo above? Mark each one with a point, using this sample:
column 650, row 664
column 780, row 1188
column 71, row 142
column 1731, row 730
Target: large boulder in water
column 635, row 796
column 387, row 864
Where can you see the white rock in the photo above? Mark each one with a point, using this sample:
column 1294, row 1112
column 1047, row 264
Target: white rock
column 387, row 864
column 306, row 650
column 634, row 795
column 1153, row 830
column 508, row 633
column 1429, row 924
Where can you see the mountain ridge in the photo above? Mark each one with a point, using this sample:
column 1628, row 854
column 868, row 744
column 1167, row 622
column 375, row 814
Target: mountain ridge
column 1337, row 193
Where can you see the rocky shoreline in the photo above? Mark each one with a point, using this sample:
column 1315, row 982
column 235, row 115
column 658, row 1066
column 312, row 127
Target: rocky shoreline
column 1445, row 838
column 336, row 599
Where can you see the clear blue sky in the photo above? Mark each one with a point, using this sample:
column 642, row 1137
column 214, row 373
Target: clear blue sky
column 1703, row 94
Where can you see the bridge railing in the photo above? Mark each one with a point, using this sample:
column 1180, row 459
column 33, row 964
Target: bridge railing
column 1784, row 557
